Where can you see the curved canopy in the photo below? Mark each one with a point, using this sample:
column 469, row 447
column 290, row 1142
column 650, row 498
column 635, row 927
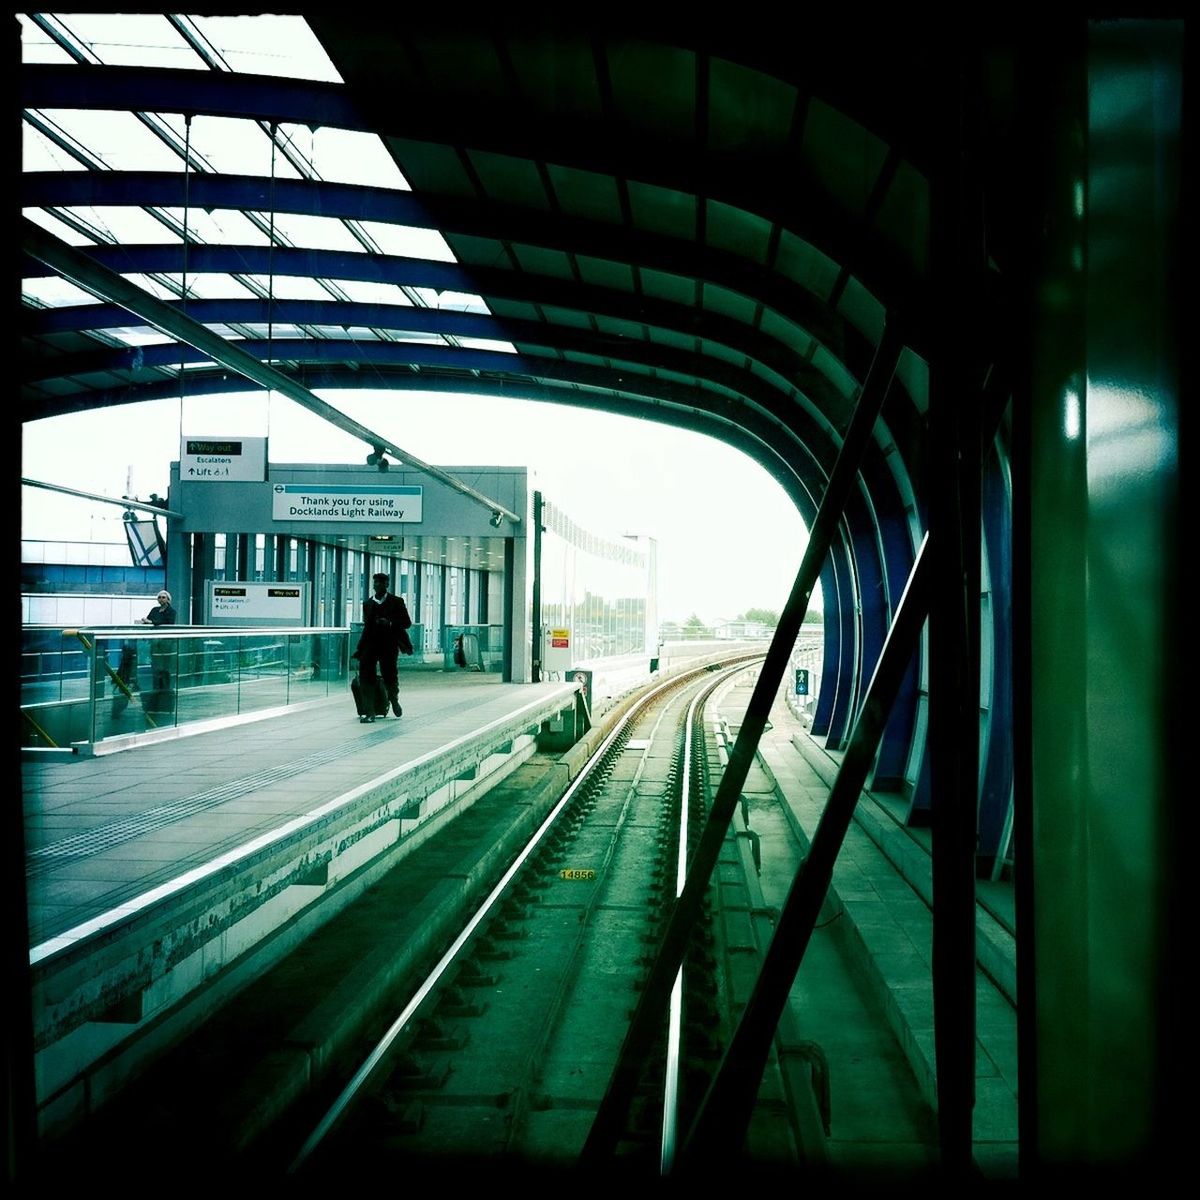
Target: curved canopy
column 703, row 227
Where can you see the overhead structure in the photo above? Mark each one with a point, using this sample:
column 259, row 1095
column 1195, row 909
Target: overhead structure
column 741, row 228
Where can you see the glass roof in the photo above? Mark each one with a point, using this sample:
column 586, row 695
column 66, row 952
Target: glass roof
column 317, row 164
column 102, row 141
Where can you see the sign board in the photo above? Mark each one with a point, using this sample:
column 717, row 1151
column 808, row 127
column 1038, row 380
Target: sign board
column 801, row 683
column 222, row 460
column 249, row 604
column 574, row 675
column 375, row 507
column 557, row 653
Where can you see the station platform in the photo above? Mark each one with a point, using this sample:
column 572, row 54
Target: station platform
column 104, row 834
column 151, row 870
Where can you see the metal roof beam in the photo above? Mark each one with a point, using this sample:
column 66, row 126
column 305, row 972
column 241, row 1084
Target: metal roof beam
column 493, row 283
column 452, row 217
column 79, row 269
column 124, row 502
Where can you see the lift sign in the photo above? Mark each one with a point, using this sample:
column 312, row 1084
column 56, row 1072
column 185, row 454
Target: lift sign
column 223, row 460
column 577, row 873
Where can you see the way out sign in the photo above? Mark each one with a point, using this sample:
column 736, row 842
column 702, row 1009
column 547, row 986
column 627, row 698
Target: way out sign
column 255, row 603
column 223, row 460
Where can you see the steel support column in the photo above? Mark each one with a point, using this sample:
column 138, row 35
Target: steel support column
column 720, row 1125
column 536, row 632
column 647, row 1018
column 957, row 376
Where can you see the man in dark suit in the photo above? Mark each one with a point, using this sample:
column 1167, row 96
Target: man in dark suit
column 385, row 621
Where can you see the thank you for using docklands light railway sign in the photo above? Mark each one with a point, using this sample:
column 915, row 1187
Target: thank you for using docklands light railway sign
column 373, row 506
column 222, row 460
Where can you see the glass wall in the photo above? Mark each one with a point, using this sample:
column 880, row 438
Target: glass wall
column 603, row 591
column 87, row 685
column 439, row 596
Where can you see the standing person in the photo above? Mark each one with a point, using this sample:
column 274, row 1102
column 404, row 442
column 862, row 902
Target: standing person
column 164, row 614
column 385, row 622
column 160, row 653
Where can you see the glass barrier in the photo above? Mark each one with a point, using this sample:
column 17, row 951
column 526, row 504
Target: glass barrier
column 473, row 648
column 116, row 682
column 603, row 592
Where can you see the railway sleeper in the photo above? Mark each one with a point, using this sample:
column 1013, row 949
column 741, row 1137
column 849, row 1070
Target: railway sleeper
column 504, row 931
column 434, row 1034
column 471, row 974
column 397, row 1113
column 411, row 1075
column 452, row 1003
column 485, row 948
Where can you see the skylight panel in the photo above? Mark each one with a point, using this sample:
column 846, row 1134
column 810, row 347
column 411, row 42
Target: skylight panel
column 372, row 293
column 153, row 287
column 278, row 333
column 215, row 286
column 126, row 224
column 461, row 302
column 292, row 287
column 346, row 156
column 487, row 344
column 234, row 146
column 56, row 293
column 417, row 337
column 39, row 153
column 118, row 139
column 221, row 226
column 320, row 233
column 131, row 39
column 212, row 229
column 269, row 45
column 52, row 224
column 139, row 335
column 407, row 241
column 37, row 46
column 339, row 333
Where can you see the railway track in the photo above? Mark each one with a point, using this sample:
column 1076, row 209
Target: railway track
column 503, row 1052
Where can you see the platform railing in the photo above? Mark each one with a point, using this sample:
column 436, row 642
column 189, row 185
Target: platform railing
column 130, row 681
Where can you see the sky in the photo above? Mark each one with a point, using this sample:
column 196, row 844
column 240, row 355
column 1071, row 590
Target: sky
column 729, row 538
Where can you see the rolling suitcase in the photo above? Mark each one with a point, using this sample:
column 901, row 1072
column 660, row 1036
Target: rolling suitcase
column 365, row 713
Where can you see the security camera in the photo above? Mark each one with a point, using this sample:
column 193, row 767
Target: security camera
column 497, row 519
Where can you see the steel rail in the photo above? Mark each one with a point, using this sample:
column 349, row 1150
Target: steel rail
column 371, row 1064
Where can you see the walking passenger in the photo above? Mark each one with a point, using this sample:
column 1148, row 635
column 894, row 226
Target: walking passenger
column 384, row 635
